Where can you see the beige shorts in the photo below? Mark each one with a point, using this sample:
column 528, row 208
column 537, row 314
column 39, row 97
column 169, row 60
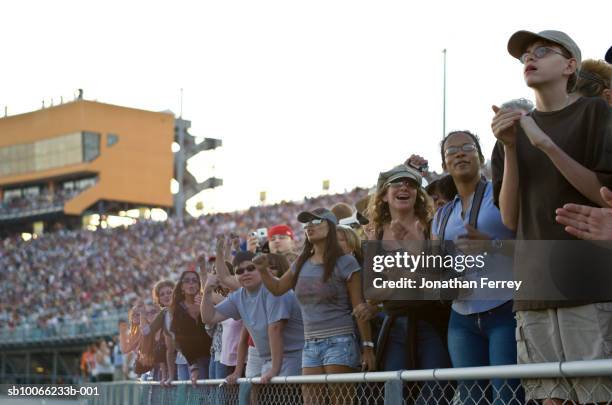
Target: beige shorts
column 566, row 334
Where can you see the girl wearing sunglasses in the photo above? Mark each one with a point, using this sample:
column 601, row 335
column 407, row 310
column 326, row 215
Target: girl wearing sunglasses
column 327, row 283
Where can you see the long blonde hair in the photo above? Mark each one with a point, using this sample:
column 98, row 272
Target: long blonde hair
column 353, row 241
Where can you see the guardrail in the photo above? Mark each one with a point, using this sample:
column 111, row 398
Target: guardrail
column 580, row 381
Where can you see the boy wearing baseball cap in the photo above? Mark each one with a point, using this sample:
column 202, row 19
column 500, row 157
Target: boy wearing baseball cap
column 559, row 153
column 282, row 241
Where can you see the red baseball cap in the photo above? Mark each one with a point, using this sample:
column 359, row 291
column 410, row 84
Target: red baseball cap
column 280, row 230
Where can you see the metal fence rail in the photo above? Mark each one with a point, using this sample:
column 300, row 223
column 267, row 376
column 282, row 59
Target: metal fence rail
column 576, row 382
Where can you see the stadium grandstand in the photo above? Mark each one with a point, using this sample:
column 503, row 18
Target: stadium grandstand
column 69, row 174
column 68, row 288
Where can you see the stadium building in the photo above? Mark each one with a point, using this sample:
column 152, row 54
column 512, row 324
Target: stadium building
column 85, row 164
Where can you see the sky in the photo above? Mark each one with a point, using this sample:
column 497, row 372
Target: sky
column 299, row 91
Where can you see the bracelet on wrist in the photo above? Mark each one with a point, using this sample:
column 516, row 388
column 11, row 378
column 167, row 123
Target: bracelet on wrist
column 367, row 343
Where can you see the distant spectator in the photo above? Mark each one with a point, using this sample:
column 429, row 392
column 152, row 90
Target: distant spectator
column 594, row 79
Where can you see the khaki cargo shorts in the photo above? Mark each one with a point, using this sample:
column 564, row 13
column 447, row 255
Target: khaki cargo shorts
column 566, row 334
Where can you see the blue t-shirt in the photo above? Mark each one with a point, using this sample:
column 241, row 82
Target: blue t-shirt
column 261, row 308
column 498, row 267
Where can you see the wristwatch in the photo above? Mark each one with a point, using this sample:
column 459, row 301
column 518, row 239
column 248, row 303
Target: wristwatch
column 496, row 244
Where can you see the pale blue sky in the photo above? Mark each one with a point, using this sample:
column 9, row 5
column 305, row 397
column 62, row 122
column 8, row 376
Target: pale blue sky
column 298, row 91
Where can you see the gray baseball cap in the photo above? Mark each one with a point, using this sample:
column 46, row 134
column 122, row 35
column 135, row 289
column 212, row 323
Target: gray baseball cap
column 318, row 213
column 398, row 172
column 520, row 40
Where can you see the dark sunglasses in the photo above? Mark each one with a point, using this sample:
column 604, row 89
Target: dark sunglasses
column 248, row 268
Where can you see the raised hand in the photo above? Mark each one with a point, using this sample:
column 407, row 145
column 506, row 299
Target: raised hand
column 417, row 161
column 504, row 125
column 211, row 283
column 220, row 247
column 585, row 222
column 261, row 262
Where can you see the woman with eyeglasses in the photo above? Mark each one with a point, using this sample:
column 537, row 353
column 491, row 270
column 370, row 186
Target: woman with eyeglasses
column 274, row 323
column 187, row 326
column 481, row 329
column 413, row 333
column 327, row 284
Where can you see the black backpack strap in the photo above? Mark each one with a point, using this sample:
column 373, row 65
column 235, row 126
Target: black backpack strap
column 481, row 188
column 445, row 213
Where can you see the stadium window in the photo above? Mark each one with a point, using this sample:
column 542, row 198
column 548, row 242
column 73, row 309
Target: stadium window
column 111, row 139
column 10, row 194
column 91, row 146
column 85, row 183
column 33, row 191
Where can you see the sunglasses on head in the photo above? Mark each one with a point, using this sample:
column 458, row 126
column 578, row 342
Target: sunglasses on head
column 248, row 268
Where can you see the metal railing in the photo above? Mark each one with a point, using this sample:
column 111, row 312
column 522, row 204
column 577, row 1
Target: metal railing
column 574, row 382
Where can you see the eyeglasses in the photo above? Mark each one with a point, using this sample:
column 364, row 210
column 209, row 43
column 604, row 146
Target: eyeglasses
column 402, row 181
column 313, row 222
column 190, row 280
column 248, row 268
column 540, row 52
column 466, row 147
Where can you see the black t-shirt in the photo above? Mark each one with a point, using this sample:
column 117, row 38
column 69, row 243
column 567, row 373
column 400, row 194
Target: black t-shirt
column 582, row 130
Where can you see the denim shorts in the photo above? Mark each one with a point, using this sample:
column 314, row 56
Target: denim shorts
column 341, row 350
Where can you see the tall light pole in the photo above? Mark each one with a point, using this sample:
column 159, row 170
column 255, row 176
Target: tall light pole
column 444, row 98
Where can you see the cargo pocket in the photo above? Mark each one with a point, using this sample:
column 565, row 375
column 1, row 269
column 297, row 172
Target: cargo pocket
column 523, row 355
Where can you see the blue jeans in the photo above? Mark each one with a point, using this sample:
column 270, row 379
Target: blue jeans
column 431, row 353
column 341, row 350
column 203, row 365
column 182, row 372
column 216, row 370
column 485, row 339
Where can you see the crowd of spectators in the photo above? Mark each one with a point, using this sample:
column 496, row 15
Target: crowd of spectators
column 301, row 305
column 79, row 276
column 42, row 201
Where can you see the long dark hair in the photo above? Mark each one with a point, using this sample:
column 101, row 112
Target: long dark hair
column 332, row 253
column 177, row 295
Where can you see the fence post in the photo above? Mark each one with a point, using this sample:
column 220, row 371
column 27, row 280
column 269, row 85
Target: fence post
column 181, row 394
column 393, row 390
column 244, row 393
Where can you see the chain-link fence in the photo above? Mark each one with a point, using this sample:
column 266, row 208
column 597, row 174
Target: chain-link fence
column 569, row 382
